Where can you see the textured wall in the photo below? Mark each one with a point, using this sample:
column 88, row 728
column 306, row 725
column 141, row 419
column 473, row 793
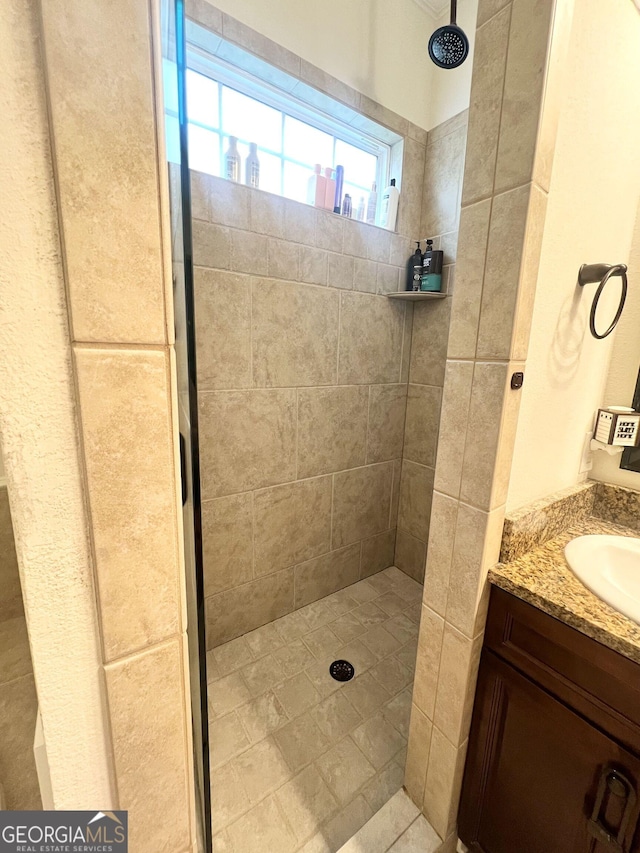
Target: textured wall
column 302, row 371
column 593, row 200
column 440, row 216
column 18, row 700
column 39, row 431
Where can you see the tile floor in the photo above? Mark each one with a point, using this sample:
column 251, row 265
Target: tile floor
column 300, row 762
column 398, row 827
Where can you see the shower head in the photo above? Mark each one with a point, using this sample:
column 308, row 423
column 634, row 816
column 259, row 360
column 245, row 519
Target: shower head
column 449, row 45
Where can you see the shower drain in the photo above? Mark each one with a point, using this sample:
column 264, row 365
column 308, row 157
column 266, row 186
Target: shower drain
column 341, row 670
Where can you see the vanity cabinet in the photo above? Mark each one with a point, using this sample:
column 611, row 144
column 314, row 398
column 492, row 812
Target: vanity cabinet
column 553, row 764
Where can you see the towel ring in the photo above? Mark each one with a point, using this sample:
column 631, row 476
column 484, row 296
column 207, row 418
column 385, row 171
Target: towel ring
column 590, row 273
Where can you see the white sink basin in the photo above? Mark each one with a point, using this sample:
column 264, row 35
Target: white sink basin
column 610, row 567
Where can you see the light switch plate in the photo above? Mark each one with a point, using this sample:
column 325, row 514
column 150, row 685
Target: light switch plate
column 586, row 463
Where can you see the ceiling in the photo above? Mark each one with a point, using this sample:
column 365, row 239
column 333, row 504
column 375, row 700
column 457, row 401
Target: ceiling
column 436, row 7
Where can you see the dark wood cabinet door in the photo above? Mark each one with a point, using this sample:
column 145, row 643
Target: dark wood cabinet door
column 533, row 769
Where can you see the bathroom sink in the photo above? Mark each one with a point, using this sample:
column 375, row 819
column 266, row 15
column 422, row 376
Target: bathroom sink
column 610, row 567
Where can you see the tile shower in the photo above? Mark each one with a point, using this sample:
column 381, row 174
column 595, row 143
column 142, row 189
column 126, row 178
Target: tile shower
column 319, row 408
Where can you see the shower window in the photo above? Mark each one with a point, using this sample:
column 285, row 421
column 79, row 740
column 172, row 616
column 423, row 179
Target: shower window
column 291, row 137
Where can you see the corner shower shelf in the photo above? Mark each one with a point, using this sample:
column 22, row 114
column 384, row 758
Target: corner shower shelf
column 416, row 295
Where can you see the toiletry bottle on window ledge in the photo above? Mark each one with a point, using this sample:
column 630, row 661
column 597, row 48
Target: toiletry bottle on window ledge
column 339, row 182
column 330, row 188
column 347, row 206
column 389, row 211
column 232, row 160
column 372, row 205
column 252, row 167
column 316, row 187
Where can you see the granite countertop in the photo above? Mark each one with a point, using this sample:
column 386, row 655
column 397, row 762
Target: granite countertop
column 542, row 578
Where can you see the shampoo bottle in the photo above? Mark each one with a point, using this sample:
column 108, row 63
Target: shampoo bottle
column 414, row 269
column 346, row 205
column 361, row 210
column 316, row 187
column 330, row 188
column 232, row 160
column 372, row 205
column 432, row 272
column 252, row 167
column 389, row 211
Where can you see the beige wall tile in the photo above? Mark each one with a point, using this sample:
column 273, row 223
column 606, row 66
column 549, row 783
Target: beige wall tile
column 365, row 276
column 389, row 279
column 324, row 575
column 211, row 245
column 329, row 231
column 292, row 523
column 467, row 296
column 410, row 555
column 423, row 418
column 267, row 214
column 332, row 429
column 283, row 259
column 227, row 538
column 483, row 432
column 313, row 265
column 443, row 784
column 411, row 189
column 387, row 409
column 18, row 709
column 203, row 12
column 152, row 782
column 236, row 611
column 295, row 334
column 326, row 83
column 355, row 238
column 395, row 491
column 115, row 287
column 529, row 273
column 429, row 342
column 249, row 252
column 476, row 549
column 418, row 748
column 11, row 598
column 442, row 188
column 444, row 512
column 262, row 46
column 377, row 553
column 489, row 61
column 426, row 683
column 223, row 329
column 406, row 343
column 378, row 244
column 416, row 493
column 340, row 271
column 371, row 329
column 502, row 275
column 456, row 397
column 523, row 91
column 488, row 8
column 361, row 503
column 235, row 455
column 299, row 222
column 224, row 202
column 128, row 445
column 456, row 684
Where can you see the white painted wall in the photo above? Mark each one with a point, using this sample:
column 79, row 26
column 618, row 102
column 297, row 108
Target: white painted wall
column 377, row 46
column 591, row 213
column 623, row 369
column 450, row 89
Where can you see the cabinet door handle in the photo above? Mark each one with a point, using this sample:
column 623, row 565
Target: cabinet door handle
column 612, row 783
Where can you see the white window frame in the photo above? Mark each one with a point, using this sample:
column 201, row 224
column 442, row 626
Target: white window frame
column 225, row 74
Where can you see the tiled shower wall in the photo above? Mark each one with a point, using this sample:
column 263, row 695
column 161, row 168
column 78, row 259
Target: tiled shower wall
column 18, row 701
column 442, row 191
column 302, row 371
